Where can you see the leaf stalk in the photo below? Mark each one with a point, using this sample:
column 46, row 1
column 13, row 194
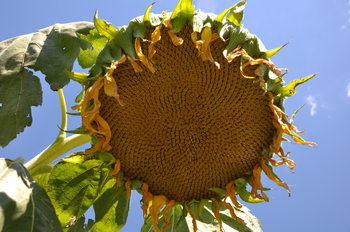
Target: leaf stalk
column 60, row 146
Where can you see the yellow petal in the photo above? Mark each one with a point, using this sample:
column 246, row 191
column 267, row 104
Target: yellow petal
column 176, row 40
column 157, row 203
column 142, row 57
column 155, row 37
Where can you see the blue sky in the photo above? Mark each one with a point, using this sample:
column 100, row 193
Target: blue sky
column 320, row 34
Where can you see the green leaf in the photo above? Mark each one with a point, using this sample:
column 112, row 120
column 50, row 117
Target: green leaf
column 146, row 16
column 111, row 208
column 235, row 14
column 291, row 121
column 52, row 51
column 87, row 58
column 104, row 28
column 178, row 224
column 237, row 35
column 289, row 90
column 73, row 188
column 77, row 226
column 241, row 189
column 270, row 53
column 24, row 205
column 18, row 92
column 183, row 11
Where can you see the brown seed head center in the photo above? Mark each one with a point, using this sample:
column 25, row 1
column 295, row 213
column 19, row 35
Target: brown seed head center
column 189, row 126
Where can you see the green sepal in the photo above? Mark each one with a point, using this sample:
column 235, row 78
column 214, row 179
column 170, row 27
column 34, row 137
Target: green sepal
column 235, row 14
column 136, row 184
column 289, row 90
column 202, row 19
column 147, row 14
column 183, row 215
column 275, row 85
column 153, row 19
column 111, row 52
column 106, row 157
column 237, row 35
column 221, row 192
column 78, row 100
column 104, row 28
column 199, row 207
column 87, row 58
column 138, row 27
column 80, row 130
column 178, row 224
column 251, row 46
column 75, row 76
column 270, row 53
column 183, row 10
column 291, row 121
column 124, row 39
column 241, row 189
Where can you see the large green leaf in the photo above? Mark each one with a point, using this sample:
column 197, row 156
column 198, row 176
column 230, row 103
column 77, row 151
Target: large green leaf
column 51, row 50
column 17, row 94
column 111, row 208
column 24, row 205
column 73, row 188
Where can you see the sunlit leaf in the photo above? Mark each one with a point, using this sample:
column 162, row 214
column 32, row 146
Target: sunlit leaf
column 105, row 28
column 73, row 188
column 24, row 205
column 87, row 58
column 111, row 208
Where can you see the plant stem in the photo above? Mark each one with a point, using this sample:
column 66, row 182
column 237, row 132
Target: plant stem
column 64, row 118
column 60, row 146
column 55, row 150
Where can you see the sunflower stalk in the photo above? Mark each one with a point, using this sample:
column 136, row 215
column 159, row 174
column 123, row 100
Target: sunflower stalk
column 40, row 163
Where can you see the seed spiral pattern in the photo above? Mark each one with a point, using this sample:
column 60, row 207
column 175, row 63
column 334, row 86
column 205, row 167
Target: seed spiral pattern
column 189, row 126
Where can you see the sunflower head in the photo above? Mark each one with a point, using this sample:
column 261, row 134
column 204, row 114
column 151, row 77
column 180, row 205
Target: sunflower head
column 191, row 107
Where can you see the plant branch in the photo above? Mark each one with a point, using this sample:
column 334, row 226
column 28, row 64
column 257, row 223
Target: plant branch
column 60, row 146
column 64, row 118
column 55, row 150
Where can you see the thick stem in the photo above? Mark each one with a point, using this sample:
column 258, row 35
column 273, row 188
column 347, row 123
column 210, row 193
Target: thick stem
column 60, row 146
column 55, row 150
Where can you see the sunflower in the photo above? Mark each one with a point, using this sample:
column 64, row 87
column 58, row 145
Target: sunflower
column 191, row 107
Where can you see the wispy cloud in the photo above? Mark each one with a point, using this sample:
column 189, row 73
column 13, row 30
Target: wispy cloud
column 348, row 89
column 312, row 102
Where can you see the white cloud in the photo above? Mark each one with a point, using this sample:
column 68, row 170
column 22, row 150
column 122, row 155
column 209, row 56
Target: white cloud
column 312, row 102
column 348, row 89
